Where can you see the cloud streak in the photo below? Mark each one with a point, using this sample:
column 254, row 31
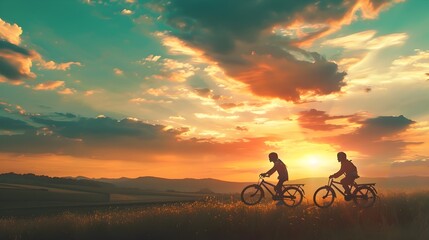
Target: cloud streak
column 367, row 40
column 106, row 138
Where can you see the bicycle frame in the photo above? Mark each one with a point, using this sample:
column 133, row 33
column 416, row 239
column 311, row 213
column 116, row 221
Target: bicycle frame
column 299, row 186
column 290, row 195
column 333, row 184
column 263, row 183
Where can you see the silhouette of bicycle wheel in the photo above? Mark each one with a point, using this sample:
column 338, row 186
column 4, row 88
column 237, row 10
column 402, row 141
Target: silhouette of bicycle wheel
column 252, row 194
column 292, row 196
column 324, row 197
column 364, row 196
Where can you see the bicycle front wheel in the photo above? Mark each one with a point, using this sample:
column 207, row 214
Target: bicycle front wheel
column 324, row 197
column 364, row 196
column 252, row 194
column 292, row 196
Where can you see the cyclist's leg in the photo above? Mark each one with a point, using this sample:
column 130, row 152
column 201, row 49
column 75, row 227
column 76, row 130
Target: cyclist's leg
column 346, row 182
column 279, row 186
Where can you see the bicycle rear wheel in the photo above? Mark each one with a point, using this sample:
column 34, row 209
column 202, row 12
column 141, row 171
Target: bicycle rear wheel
column 324, row 197
column 292, row 196
column 364, row 196
column 252, row 194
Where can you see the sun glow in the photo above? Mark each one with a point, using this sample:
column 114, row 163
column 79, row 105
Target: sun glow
column 312, row 161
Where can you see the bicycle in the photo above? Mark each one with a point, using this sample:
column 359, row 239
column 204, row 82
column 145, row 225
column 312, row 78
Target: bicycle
column 292, row 194
column 363, row 195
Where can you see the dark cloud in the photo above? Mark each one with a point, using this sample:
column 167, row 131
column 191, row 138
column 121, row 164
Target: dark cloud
column 204, row 92
column 316, row 120
column 384, row 126
column 373, row 137
column 14, row 61
column 238, row 36
column 10, row 124
column 105, row 127
column 240, row 128
column 107, row 138
column 7, row 46
column 66, row 115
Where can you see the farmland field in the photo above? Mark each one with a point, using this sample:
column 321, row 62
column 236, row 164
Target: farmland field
column 396, row 216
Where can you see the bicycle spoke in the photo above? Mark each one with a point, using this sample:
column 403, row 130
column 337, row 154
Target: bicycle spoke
column 252, row 194
column 364, row 196
column 292, row 196
column 324, row 197
column 256, row 192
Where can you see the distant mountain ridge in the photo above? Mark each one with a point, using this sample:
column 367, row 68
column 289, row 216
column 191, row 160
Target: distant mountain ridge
column 46, row 180
column 207, row 185
column 179, row 185
column 388, row 184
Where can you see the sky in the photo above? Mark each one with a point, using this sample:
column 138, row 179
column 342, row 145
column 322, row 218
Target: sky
column 208, row 88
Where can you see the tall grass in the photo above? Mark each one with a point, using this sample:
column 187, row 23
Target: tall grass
column 397, row 216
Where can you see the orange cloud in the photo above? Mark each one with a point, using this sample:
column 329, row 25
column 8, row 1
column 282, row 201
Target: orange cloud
column 118, row 71
column 51, row 65
column 49, row 85
column 277, row 76
column 126, row 12
column 10, row 32
column 316, row 120
column 67, row 91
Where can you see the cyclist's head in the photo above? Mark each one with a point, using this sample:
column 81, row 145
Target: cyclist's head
column 273, row 156
column 341, row 156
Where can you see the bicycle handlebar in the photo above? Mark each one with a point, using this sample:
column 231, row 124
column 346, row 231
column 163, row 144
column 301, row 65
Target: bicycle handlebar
column 330, row 180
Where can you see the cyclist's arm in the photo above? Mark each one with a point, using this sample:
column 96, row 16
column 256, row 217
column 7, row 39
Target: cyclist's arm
column 287, row 175
column 271, row 171
column 339, row 173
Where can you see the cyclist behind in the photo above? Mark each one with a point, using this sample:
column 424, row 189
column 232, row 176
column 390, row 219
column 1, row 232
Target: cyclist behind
column 350, row 170
column 281, row 169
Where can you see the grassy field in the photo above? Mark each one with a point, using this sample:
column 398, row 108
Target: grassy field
column 398, row 216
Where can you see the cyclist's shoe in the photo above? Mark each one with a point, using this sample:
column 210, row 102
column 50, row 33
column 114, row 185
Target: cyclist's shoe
column 277, row 197
column 348, row 197
column 280, row 203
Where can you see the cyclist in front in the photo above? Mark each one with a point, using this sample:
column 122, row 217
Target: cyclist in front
column 350, row 170
column 281, row 169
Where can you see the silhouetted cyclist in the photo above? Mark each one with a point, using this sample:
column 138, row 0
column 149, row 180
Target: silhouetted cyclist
column 350, row 170
column 281, row 169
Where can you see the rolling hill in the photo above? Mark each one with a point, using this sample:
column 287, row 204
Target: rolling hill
column 385, row 185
